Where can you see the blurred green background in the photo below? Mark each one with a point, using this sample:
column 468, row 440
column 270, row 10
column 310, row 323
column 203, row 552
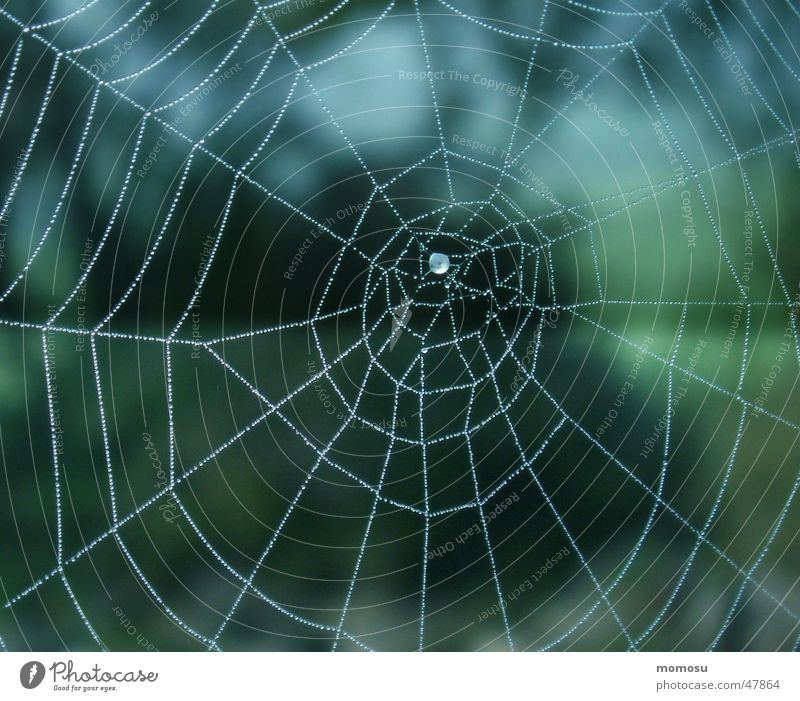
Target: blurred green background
column 617, row 184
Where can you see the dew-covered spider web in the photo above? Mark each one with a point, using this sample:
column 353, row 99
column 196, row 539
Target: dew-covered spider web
column 419, row 324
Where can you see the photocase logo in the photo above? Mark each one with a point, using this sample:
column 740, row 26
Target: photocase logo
column 31, row 674
column 400, row 318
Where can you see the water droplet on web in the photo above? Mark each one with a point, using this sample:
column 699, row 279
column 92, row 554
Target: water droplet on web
column 439, row 263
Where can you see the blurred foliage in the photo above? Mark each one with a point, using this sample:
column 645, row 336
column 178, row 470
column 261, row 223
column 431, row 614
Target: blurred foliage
column 640, row 238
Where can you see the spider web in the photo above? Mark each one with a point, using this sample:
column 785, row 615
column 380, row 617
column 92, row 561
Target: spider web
column 580, row 436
